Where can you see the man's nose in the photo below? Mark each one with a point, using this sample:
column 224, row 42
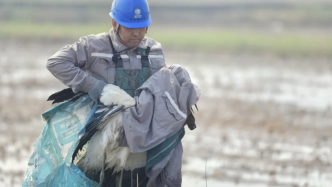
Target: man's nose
column 135, row 32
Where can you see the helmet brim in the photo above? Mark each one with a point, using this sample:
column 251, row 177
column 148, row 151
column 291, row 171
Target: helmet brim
column 133, row 24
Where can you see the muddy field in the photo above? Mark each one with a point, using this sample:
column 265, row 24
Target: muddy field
column 262, row 121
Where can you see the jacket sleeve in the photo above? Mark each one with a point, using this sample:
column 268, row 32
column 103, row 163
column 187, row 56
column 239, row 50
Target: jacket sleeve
column 68, row 65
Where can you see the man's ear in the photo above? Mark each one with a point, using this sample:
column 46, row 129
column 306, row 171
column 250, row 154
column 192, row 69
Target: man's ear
column 114, row 24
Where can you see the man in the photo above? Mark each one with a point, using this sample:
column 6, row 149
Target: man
column 123, row 57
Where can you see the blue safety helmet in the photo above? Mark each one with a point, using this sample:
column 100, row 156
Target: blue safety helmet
column 131, row 13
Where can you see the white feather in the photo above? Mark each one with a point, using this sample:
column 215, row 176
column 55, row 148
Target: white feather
column 106, row 138
column 93, row 158
column 135, row 160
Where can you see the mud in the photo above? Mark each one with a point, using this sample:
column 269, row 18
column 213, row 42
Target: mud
column 262, row 120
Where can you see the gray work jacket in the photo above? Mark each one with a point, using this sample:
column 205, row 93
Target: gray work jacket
column 162, row 106
column 87, row 66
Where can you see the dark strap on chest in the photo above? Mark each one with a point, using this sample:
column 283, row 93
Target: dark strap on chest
column 116, row 56
column 144, row 57
column 143, row 52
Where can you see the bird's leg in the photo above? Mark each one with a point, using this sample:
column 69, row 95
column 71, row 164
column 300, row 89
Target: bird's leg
column 131, row 178
column 137, row 179
column 120, row 185
column 102, row 172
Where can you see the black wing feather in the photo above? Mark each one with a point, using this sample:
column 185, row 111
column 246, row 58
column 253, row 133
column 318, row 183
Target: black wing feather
column 63, row 95
column 91, row 128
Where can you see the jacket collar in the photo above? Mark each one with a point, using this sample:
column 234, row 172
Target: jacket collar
column 119, row 47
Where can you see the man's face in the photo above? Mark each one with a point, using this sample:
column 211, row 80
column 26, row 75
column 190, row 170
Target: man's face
column 131, row 37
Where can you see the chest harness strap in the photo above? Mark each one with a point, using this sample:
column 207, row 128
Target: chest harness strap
column 131, row 79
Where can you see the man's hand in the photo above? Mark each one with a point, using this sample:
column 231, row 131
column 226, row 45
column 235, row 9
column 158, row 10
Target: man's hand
column 114, row 95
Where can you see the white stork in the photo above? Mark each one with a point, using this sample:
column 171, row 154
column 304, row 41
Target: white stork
column 103, row 152
column 103, row 133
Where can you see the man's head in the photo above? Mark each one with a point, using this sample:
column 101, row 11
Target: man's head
column 130, row 37
column 131, row 18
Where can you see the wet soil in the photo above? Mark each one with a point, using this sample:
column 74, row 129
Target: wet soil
column 262, row 120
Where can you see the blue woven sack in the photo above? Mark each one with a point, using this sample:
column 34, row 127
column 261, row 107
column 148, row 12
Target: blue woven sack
column 50, row 163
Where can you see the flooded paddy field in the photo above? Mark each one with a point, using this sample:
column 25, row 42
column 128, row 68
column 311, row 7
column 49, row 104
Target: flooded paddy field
column 262, row 120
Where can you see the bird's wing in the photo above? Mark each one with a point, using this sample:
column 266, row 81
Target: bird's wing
column 92, row 126
column 64, row 95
